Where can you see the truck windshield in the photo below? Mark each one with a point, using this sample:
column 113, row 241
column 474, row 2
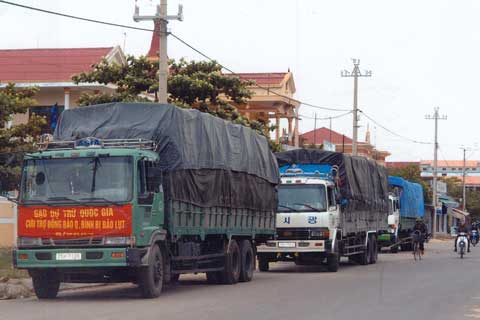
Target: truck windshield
column 77, row 180
column 304, row 198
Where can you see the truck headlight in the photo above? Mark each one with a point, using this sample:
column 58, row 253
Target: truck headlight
column 117, row 241
column 28, row 242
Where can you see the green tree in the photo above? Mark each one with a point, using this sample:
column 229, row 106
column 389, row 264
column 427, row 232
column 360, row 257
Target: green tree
column 19, row 138
column 191, row 84
column 412, row 173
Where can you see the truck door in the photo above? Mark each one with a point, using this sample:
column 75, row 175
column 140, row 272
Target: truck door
column 149, row 193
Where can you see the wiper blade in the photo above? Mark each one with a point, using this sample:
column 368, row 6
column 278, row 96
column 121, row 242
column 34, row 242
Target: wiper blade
column 308, row 206
column 287, row 207
column 62, row 199
column 33, row 201
column 100, row 199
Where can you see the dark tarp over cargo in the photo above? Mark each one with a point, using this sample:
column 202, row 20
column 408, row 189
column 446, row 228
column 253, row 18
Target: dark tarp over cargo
column 207, row 161
column 362, row 181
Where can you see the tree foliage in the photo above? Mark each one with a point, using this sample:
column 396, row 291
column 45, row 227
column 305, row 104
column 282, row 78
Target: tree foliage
column 19, row 138
column 191, row 84
column 412, row 173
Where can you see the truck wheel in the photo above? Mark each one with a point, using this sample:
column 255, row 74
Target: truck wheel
column 214, row 277
column 233, row 263
column 248, row 261
column 150, row 278
column 45, row 284
column 263, row 264
column 333, row 262
column 364, row 256
column 373, row 250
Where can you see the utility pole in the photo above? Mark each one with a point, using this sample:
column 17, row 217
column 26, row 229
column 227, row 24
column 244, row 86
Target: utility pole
column 435, row 117
column 315, row 131
column 162, row 18
column 464, row 173
column 330, row 118
column 355, row 74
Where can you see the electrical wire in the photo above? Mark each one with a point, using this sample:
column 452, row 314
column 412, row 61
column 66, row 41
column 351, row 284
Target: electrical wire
column 392, row 132
column 326, row 118
column 174, row 36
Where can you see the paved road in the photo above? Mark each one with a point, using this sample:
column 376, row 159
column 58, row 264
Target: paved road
column 439, row 287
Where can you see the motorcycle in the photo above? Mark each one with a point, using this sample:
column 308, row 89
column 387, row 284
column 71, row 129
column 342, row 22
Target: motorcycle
column 462, row 242
column 474, row 237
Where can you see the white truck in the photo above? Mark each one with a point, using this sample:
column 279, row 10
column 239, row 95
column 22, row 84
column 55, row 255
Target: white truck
column 330, row 205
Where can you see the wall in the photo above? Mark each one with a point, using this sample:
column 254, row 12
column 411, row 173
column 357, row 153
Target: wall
column 8, row 220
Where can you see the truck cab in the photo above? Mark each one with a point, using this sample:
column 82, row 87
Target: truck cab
column 307, row 217
column 87, row 213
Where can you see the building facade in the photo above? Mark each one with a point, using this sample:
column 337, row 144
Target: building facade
column 51, row 71
column 343, row 143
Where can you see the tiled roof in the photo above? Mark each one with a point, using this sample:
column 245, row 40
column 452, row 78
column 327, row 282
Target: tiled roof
column 471, row 180
column 47, row 65
column 270, row 78
column 451, row 163
column 401, row 164
column 321, row 134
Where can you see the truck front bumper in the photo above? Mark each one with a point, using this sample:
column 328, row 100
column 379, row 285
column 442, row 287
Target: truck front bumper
column 294, row 246
column 77, row 257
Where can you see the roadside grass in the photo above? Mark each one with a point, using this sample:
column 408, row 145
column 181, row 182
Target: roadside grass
column 6, row 265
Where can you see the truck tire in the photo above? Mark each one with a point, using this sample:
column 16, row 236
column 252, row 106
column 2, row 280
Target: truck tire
column 394, row 249
column 248, row 261
column 233, row 264
column 373, row 250
column 150, row 278
column 364, row 256
column 263, row 264
column 333, row 262
column 45, row 284
column 213, row 277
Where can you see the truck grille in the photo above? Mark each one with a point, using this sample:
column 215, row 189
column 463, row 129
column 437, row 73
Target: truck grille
column 298, row 234
column 72, row 242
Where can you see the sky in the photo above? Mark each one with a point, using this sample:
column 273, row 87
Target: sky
column 422, row 54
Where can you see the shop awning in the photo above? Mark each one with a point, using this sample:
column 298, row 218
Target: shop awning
column 459, row 214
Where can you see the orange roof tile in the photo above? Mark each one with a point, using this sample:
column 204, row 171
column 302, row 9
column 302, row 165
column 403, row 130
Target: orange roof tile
column 47, row 65
column 452, row 163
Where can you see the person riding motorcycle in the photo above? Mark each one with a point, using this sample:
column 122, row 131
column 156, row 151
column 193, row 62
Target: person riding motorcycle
column 422, row 227
column 474, row 228
column 463, row 228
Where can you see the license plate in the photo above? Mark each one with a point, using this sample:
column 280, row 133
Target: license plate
column 286, row 244
column 69, row 256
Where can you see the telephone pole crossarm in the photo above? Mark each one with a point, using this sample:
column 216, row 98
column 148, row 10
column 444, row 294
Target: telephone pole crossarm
column 162, row 18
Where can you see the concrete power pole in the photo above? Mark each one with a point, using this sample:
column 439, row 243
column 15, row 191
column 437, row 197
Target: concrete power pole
column 162, row 17
column 435, row 117
column 355, row 74
column 464, row 174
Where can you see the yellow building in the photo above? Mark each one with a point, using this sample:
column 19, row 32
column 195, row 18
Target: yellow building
column 8, row 220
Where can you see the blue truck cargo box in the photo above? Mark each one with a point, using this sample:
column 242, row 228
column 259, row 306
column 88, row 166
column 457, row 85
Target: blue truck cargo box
column 411, row 197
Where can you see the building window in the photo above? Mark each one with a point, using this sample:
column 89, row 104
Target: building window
column 444, row 174
column 444, row 169
column 424, row 169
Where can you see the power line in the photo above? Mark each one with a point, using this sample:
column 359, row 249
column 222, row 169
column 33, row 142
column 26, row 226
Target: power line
column 173, row 35
column 392, row 132
column 327, row 118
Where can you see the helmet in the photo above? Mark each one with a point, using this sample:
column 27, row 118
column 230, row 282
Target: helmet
column 419, row 219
